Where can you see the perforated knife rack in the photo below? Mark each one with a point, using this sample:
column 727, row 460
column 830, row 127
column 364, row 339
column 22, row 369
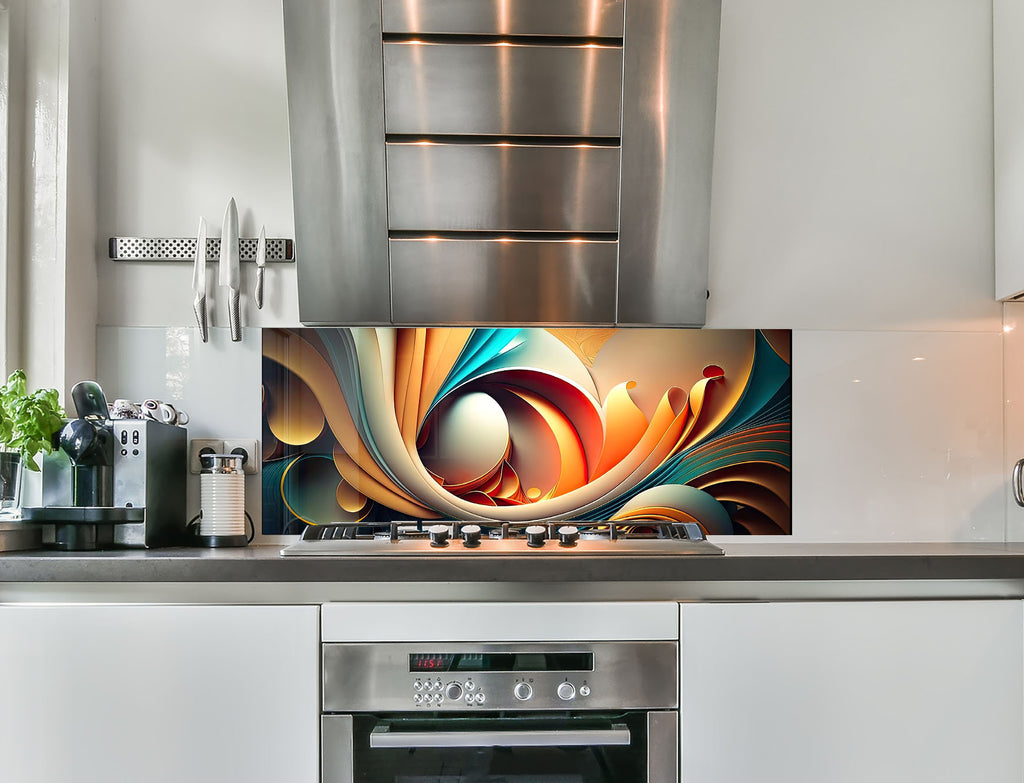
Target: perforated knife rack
column 279, row 251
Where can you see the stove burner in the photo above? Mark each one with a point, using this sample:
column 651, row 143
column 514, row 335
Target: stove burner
column 454, row 538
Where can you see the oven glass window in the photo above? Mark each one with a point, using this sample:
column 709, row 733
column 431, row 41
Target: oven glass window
column 533, row 756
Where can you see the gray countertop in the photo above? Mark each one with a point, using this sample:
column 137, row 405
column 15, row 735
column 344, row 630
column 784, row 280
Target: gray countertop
column 742, row 563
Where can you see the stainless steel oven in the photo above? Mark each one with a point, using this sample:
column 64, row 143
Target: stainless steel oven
column 518, row 712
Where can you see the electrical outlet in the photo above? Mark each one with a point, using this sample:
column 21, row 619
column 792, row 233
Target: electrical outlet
column 199, row 446
column 250, row 450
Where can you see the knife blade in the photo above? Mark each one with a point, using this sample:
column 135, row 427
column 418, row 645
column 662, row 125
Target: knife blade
column 229, row 275
column 199, row 282
column 261, row 262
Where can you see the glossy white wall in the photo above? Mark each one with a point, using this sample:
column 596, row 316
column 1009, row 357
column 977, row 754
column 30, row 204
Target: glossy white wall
column 853, row 166
column 897, row 436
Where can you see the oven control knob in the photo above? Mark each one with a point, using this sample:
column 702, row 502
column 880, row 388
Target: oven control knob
column 522, row 691
column 471, row 535
column 584, row 690
column 438, row 535
column 453, row 691
column 568, row 535
column 535, row 535
column 566, row 691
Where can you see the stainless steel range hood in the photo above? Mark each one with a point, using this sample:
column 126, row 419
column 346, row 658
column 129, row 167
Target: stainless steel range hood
column 502, row 161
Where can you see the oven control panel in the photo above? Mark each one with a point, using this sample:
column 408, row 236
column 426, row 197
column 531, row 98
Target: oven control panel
column 528, row 692
column 478, row 677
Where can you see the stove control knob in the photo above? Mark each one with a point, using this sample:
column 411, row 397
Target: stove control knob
column 453, row 691
column 523, row 691
column 566, row 691
column 438, row 535
column 535, row 535
column 470, row 535
column 568, row 535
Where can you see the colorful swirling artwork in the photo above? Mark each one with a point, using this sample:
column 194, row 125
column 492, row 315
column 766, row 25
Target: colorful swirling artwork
column 523, row 424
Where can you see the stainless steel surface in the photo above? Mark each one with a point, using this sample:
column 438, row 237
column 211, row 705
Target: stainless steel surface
column 150, row 470
column 221, row 463
column 502, row 187
column 336, row 120
column 464, row 80
column 199, row 282
column 662, row 747
column 669, row 93
column 495, row 281
column 500, row 548
column 229, row 273
column 592, row 18
column 383, row 737
column 336, row 749
column 19, row 536
column 1018, row 489
column 261, row 262
column 376, row 677
column 505, row 89
column 169, row 249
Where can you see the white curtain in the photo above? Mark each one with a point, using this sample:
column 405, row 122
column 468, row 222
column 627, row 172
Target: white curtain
column 7, row 329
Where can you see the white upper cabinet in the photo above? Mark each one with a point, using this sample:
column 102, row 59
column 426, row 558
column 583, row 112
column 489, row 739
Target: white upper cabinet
column 1008, row 117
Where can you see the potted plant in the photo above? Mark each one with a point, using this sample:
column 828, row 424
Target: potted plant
column 28, row 422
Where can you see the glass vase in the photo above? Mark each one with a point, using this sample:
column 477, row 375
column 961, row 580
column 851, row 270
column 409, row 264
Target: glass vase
column 11, row 469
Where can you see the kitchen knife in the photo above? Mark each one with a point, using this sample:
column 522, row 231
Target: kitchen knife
column 199, row 281
column 229, row 275
column 261, row 261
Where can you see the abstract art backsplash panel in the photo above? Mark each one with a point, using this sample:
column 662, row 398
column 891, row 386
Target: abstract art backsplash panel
column 522, row 424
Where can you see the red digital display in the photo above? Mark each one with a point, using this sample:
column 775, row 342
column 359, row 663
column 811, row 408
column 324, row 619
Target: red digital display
column 430, row 662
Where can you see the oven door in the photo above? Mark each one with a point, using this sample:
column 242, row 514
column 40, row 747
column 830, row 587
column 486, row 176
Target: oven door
column 630, row 747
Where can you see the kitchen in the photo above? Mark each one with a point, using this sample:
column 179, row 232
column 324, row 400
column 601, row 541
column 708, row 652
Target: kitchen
column 852, row 202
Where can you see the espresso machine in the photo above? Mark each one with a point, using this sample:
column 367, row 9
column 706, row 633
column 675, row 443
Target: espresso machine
column 113, row 482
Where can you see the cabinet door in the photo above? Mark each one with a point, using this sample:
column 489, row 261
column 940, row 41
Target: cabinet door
column 159, row 694
column 1008, row 151
column 858, row 692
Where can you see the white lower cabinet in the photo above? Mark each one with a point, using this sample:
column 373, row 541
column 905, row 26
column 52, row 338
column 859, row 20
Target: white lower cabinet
column 852, row 692
column 159, row 694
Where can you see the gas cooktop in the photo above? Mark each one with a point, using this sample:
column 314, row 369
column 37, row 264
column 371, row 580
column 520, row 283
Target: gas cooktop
column 471, row 539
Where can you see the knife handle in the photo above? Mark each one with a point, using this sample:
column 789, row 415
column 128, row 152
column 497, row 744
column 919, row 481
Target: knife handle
column 199, row 306
column 258, row 293
column 234, row 317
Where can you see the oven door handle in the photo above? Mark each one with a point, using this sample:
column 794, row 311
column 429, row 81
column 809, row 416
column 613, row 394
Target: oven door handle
column 382, row 737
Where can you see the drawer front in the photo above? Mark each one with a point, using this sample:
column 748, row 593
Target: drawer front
column 495, row 281
column 502, row 89
column 596, row 18
column 502, row 187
